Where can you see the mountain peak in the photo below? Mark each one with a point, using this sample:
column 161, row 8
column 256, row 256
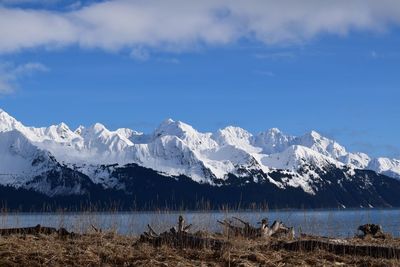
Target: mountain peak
column 5, row 116
column 296, row 156
column 235, row 136
column 321, row 144
column 128, row 133
column 9, row 123
column 169, row 120
column 272, row 141
column 79, row 129
column 236, row 132
column 315, row 134
column 63, row 128
column 98, row 127
column 171, row 127
column 63, row 125
column 274, row 131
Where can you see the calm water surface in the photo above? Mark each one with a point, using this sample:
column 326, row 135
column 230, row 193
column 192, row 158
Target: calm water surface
column 328, row 223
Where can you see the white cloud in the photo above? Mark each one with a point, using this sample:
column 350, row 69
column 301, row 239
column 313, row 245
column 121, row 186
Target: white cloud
column 74, row 5
column 11, row 74
column 140, row 54
column 183, row 25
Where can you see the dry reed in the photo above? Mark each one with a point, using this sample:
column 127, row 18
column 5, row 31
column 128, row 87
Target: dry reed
column 111, row 249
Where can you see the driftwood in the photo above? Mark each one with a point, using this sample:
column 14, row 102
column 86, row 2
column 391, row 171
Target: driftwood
column 372, row 230
column 342, row 246
column 277, row 229
column 247, row 230
column 179, row 237
column 38, row 229
column 338, row 248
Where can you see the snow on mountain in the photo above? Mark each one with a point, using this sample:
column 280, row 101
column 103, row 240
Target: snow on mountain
column 389, row 167
column 358, row 160
column 86, row 145
column 171, row 156
column 296, row 157
column 191, row 137
column 129, row 133
column 305, row 163
column 321, row 145
column 236, row 137
column 235, row 146
column 176, row 148
column 99, row 138
column 58, row 133
column 79, row 130
column 273, row 141
column 8, row 123
column 20, row 160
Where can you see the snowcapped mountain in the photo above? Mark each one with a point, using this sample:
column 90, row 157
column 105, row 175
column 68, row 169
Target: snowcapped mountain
column 95, row 155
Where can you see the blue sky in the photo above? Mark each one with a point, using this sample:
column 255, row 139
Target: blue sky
column 337, row 76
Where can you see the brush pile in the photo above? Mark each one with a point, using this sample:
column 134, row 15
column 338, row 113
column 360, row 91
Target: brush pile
column 180, row 237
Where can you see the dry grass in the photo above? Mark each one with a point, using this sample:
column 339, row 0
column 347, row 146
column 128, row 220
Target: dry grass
column 116, row 250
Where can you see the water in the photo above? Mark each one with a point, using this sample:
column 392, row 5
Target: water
column 333, row 223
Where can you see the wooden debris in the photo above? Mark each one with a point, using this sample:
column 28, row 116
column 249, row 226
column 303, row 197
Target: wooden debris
column 180, row 237
column 38, row 229
column 277, row 229
column 372, row 230
column 310, row 243
column 247, row 230
column 97, row 230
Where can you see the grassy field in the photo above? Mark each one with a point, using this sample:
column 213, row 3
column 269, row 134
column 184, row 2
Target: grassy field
column 110, row 249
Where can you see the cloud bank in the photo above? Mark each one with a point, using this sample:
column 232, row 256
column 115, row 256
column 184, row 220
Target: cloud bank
column 177, row 25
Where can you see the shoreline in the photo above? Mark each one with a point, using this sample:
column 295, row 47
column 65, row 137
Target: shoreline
column 238, row 244
column 324, row 223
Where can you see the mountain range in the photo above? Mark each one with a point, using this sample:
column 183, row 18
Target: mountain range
column 176, row 165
